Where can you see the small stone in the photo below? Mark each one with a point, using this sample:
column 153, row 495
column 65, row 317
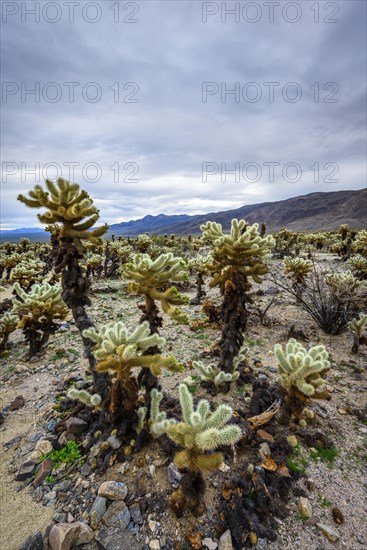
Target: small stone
column 75, row 425
column 43, row 446
column 264, row 451
column 113, row 490
column 224, row 467
column 100, row 506
column 117, row 515
column 94, row 520
column 261, row 544
column 43, row 472
column 26, row 470
column 152, row 525
column 34, row 542
column 174, row 475
column 262, row 435
column 60, row 517
column 17, row 403
column 329, row 532
column 135, row 513
column 86, row 534
column 63, row 536
column 154, row 544
column 342, row 411
column 152, row 470
column 304, row 507
column 225, row 541
column 210, row 544
column 114, row 442
column 116, row 539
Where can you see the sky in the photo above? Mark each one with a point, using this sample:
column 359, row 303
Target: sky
column 181, row 106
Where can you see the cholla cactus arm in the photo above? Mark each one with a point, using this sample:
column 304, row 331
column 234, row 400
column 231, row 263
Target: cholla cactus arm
column 142, row 413
column 67, row 205
column 297, row 268
column 358, row 266
column 358, row 325
column 361, row 242
column 92, row 400
column 8, row 324
column 159, row 422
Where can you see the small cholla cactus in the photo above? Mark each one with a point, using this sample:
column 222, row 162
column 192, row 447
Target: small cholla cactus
column 159, row 423
column 8, row 262
column 358, row 266
column 68, row 205
column 297, row 269
column 38, row 309
column 340, row 283
column 358, row 327
column 92, row 400
column 8, row 324
column 119, row 352
column 213, row 375
column 301, row 372
column 147, row 278
column 361, row 242
column 201, row 431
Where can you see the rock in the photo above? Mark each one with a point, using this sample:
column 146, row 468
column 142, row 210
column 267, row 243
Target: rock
column 43, row 446
column 174, row 475
column 261, row 544
column 43, row 472
column 34, row 542
column 262, row 435
column 114, row 442
column 99, row 506
column 225, row 541
column 117, row 539
column 154, row 544
column 26, row 470
column 86, row 534
column 329, row 532
column 152, row 525
column 63, row 536
column 60, row 517
column 75, row 425
column 117, row 515
column 135, row 513
column 224, row 467
column 264, row 451
column 304, row 507
column 12, row 442
column 209, row 543
column 113, row 490
column 94, row 520
column 17, row 403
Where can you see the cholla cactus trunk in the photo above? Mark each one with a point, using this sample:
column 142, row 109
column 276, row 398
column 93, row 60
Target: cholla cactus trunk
column 146, row 377
column 234, row 316
column 200, row 292
column 76, row 295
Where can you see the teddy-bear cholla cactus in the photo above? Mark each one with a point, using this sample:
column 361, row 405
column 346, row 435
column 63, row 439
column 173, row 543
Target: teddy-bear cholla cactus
column 27, row 272
column 237, row 257
column 68, row 205
column 297, row 269
column 92, row 400
column 358, row 266
column 148, row 276
column 213, row 375
column 118, row 352
column 340, row 283
column 201, row 266
column 201, row 431
column 361, row 242
column 358, row 327
column 8, row 324
column 301, row 372
column 38, row 309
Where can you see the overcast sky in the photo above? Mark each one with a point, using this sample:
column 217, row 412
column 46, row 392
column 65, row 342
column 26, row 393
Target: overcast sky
column 158, row 111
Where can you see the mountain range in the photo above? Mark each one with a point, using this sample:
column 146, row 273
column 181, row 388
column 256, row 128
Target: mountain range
column 312, row 212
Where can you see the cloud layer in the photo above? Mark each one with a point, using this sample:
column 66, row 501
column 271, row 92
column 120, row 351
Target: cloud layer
column 166, row 109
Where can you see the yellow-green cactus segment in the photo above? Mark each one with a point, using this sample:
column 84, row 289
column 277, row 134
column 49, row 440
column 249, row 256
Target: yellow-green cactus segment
column 42, row 300
column 93, row 400
column 361, row 242
column 297, row 268
column 358, row 325
column 301, row 368
column 8, row 323
column 118, row 351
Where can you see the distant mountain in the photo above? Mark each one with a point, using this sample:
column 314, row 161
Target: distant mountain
column 310, row 212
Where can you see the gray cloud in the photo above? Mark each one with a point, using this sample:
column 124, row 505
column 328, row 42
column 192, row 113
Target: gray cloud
column 170, row 132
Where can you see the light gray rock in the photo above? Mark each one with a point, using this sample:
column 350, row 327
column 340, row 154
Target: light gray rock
column 225, row 541
column 113, row 490
column 117, row 515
